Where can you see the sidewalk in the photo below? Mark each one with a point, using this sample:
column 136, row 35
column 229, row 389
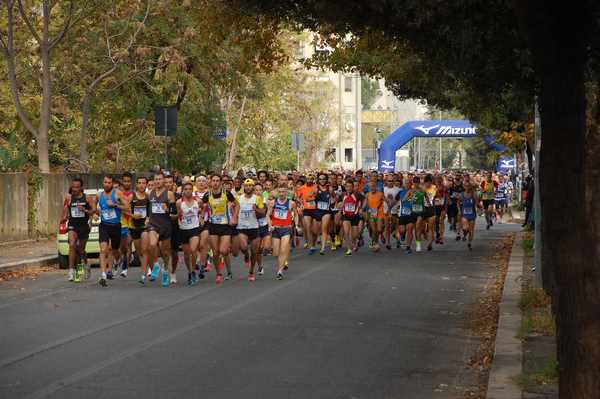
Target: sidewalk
column 28, row 253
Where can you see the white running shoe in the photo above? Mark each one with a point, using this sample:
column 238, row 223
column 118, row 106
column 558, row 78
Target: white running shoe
column 124, row 273
column 418, row 245
column 261, row 271
column 173, row 278
column 88, row 272
column 71, row 274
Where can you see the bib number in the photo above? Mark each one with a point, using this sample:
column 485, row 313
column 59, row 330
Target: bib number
column 467, row 211
column 350, row 208
column 157, row 208
column 217, row 219
column 189, row 221
column 141, row 212
column 310, row 203
column 76, row 212
column 322, row 205
column 439, row 201
column 406, row 211
column 108, row 214
column 281, row 214
column 417, row 208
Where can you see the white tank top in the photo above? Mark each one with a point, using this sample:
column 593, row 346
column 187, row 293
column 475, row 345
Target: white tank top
column 247, row 216
column 189, row 215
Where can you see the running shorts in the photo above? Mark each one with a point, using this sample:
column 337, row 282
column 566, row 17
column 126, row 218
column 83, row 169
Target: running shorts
column 354, row 219
column 280, row 232
column 487, row 203
column 164, row 230
column 428, row 212
column 124, row 231
column 234, row 230
column 318, row 214
column 501, row 202
column 263, row 231
column 439, row 209
column 220, row 229
column 110, row 232
column 81, row 229
column 407, row 219
column 250, row 233
column 175, row 237
column 136, row 233
column 452, row 210
column 186, row 235
column 309, row 212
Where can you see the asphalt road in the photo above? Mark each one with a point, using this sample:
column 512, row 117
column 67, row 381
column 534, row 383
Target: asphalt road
column 381, row 325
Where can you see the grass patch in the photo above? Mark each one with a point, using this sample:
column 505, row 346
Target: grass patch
column 546, row 376
column 541, row 323
column 527, row 244
column 533, row 298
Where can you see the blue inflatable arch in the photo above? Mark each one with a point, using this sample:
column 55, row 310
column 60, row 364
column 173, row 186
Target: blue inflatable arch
column 441, row 128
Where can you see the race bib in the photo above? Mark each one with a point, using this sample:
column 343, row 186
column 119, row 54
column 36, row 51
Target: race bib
column 417, row 208
column 281, row 213
column 217, row 219
column 323, row 205
column 439, row 201
column 189, row 221
column 76, row 212
column 246, row 214
column 373, row 211
column 467, row 211
column 108, row 214
column 140, row 211
column 406, row 211
column 310, row 203
column 350, row 208
column 157, row 208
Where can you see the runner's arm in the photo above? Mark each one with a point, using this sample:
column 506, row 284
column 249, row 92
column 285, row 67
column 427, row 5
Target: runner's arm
column 65, row 212
column 92, row 203
column 123, row 204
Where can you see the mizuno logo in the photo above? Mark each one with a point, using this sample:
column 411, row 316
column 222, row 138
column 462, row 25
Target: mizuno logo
column 507, row 163
column 387, row 163
column 424, row 129
column 456, row 131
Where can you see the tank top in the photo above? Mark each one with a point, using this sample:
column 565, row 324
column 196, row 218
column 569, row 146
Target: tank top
column 126, row 219
column 467, row 206
column 157, row 212
column 405, row 206
column 488, row 191
column 77, row 216
column 440, row 197
column 139, row 207
column 219, row 212
column 247, row 217
column 418, row 201
column 108, row 214
column 323, row 199
column 281, row 216
column 350, row 204
column 374, row 202
column 393, row 191
column 189, row 218
column 429, row 196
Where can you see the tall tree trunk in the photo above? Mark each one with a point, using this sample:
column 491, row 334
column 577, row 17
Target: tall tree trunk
column 570, row 254
column 45, row 109
column 231, row 151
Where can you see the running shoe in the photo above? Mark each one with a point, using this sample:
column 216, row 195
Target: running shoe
column 305, row 246
column 322, row 252
column 418, row 246
column 102, row 282
column 333, row 247
column 219, row 279
column 279, row 276
column 201, row 273
column 382, row 238
column 312, row 251
column 261, row 270
column 173, row 278
column 194, row 278
column 457, row 237
column 123, row 273
column 441, row 241
column 408, row 251
column 464, row 238
column 155, row 271
column 429, row 247
column 164, row 278
column 348, row 252
column 109, row 275
column 338, row 241
column 229, row 276
column 207, row 267
column 470, row 247
column 403, row 237
column 221, row 263
column 88, row 272
column 355, row 248
column 398, row 244
column 371, row 244
column 388, row 247
column 251, row 277
column 142, row 279
column 71, row 274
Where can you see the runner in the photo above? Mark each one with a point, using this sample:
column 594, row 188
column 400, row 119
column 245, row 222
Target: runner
column 374, row 214
column 263, row 232
column 126, row 182
column 189, row 220
column 111, row 204
column 322, row 215
column 280, row 216
column 468, row 203
column 488, row 193
column 406, row 217
column 417, row 199
column 501, row 200
column 77, row 208
column 307, row 198
column 251, row 207
column 175, row 236
column 203, row 265
column 428, row 228
column 350, row 205
column 160, row 228
column 221, row 223
column 440, row 201
column 390, row 208
column 454, row 192
column 140, row 209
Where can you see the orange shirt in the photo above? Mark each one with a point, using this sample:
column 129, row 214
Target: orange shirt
column 308, row 195
column 375, row 204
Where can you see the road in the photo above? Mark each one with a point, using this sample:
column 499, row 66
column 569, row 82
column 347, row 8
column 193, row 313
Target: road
column 381, row 325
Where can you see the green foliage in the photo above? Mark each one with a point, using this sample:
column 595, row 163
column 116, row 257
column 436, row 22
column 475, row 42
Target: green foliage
column 34, row 184
column 546, row 374
column 12, row 158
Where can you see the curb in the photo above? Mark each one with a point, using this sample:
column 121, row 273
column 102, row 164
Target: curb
column 32, row 262
column 508, row 355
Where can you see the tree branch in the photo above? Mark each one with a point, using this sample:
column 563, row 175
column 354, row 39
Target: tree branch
column 65, row 27
column 35, row 35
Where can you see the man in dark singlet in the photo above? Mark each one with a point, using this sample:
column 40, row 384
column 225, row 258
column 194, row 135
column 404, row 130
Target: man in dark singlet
column 77, row 208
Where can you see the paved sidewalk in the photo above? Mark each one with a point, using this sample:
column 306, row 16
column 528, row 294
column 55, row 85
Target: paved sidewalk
column 28, row 253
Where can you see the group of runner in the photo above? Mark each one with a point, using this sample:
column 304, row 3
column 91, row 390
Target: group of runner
column 213, row 218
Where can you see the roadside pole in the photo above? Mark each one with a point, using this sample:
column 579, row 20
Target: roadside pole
column 537, row 208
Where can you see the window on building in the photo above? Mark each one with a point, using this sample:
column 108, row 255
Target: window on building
column 348, row 154
column 330, row 155
column 348, row 84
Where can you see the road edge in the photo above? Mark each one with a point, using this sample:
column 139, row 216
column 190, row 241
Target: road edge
column 508, row 351
column 31, row 262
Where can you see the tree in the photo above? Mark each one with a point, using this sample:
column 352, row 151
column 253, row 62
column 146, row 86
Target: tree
column 31, row 19
column 369, row 92
column 488, row 60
